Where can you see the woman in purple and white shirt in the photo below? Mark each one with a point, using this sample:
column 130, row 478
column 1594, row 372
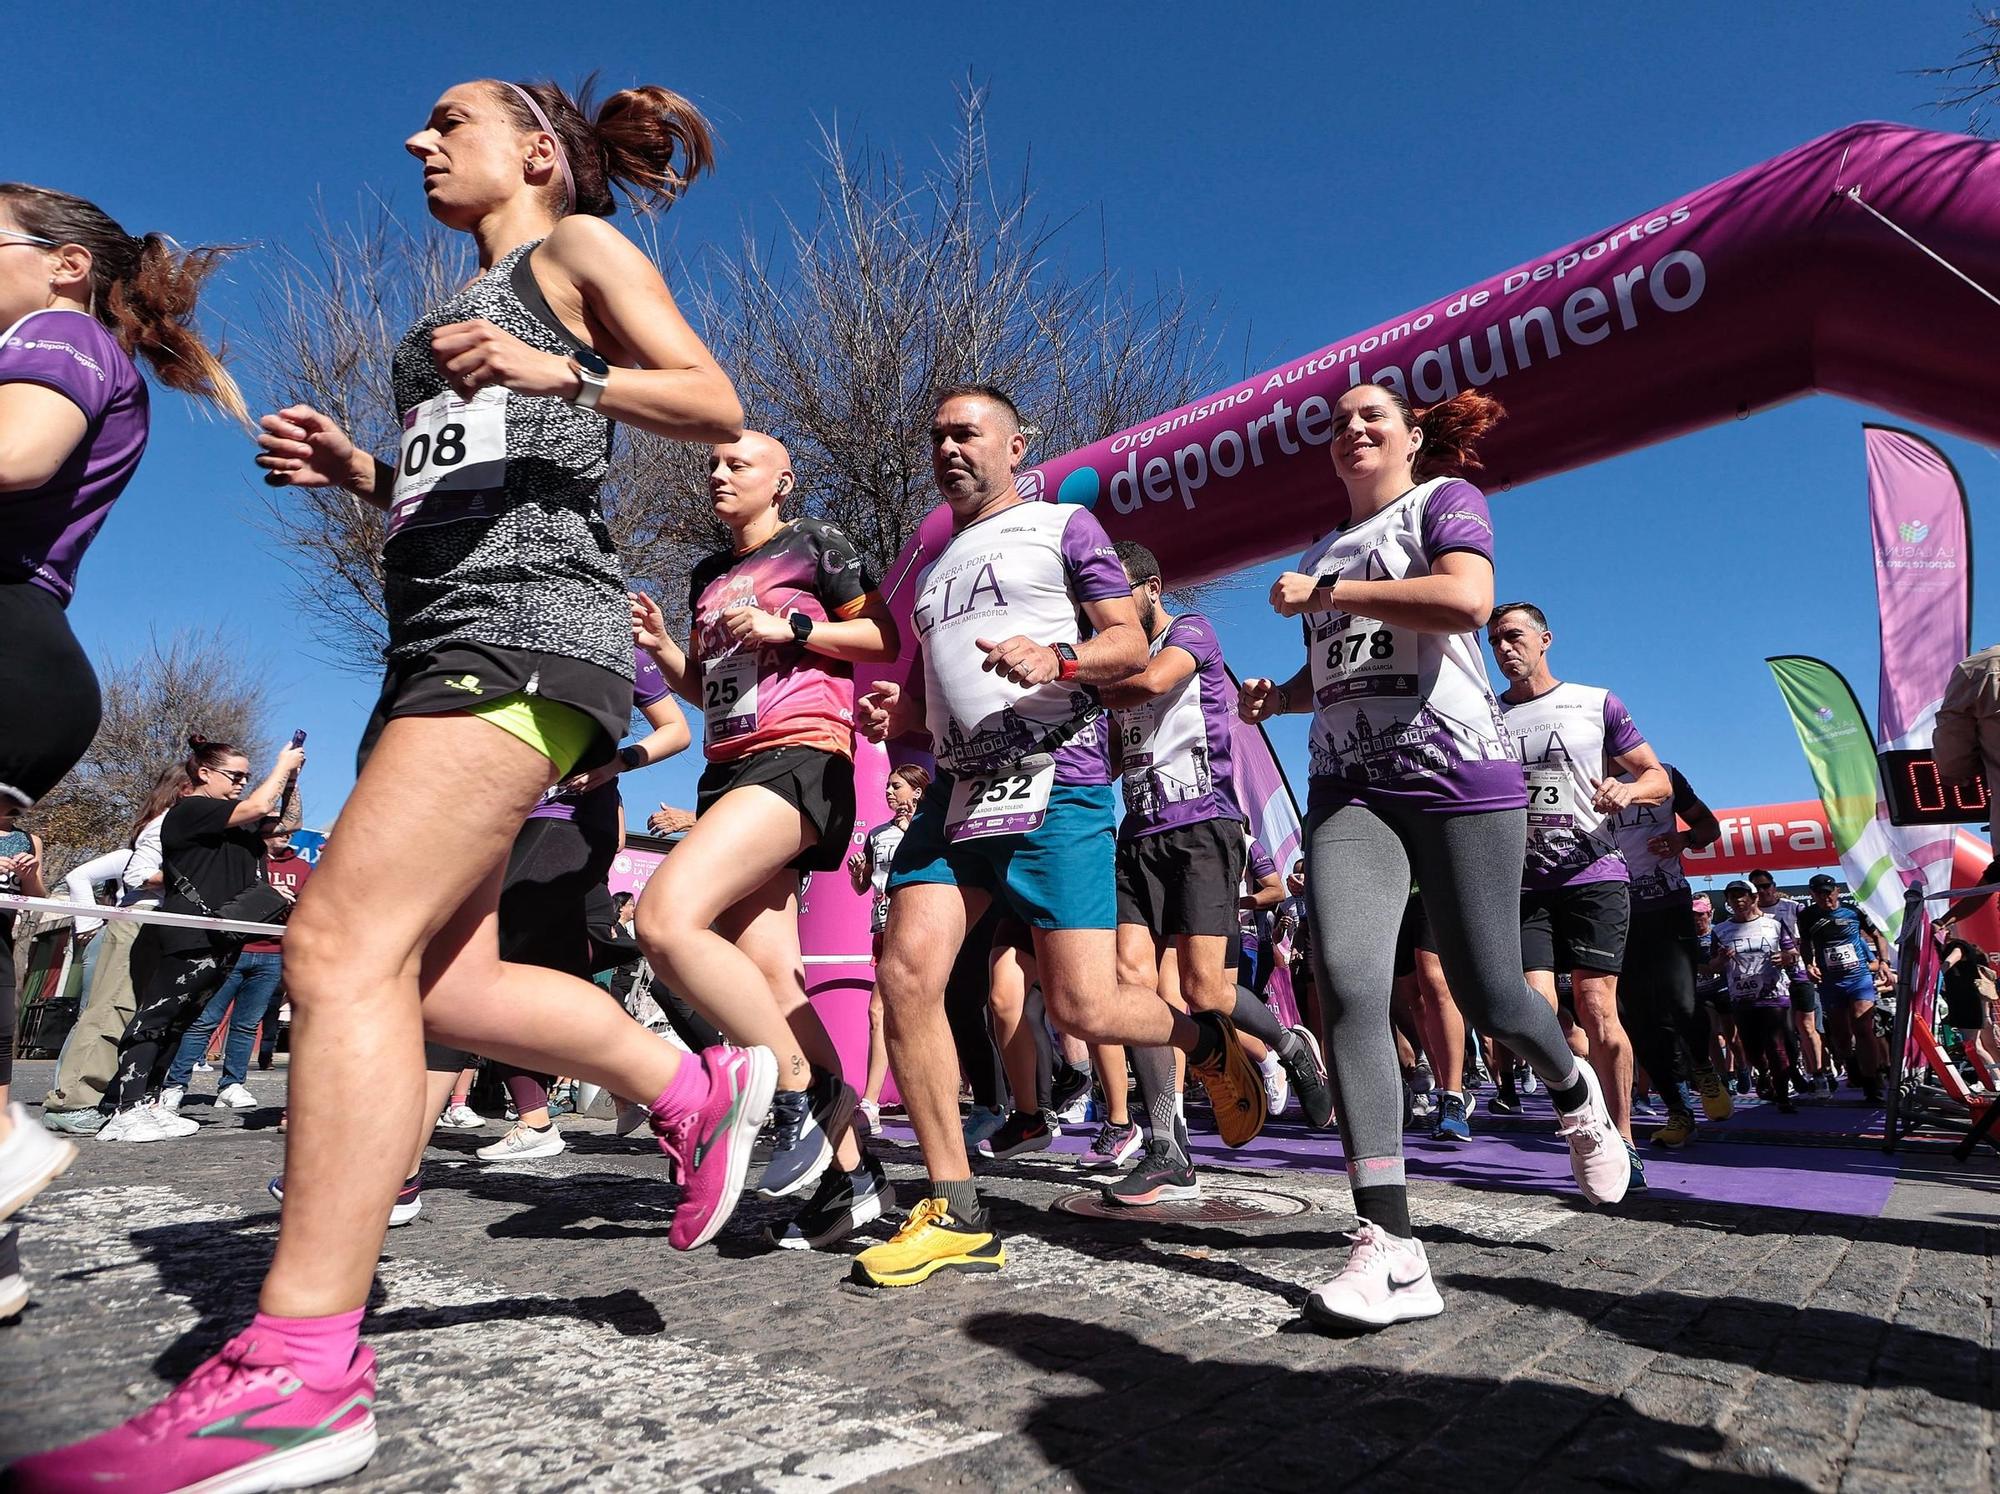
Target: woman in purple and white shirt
column 1413, row 777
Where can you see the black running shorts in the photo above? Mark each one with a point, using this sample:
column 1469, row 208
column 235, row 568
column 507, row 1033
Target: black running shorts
column 817, row 783
column 1185, row 880
column 1579, row 927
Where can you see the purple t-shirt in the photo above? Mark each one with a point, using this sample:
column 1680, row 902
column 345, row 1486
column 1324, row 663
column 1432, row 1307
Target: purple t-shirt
column 649, row 687
column 1401, row 717
column 1568, row 736
column 1025, row 570
column 44, row 531
column 1174, row 750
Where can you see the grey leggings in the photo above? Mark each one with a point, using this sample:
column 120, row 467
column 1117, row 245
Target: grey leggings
column 1360, row 859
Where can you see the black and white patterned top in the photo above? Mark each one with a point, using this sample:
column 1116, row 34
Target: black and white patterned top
column 541, row 573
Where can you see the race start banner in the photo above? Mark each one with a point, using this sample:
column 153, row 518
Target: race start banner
column 1834, row 733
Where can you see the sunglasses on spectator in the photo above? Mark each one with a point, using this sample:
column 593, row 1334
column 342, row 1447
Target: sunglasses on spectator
column 235, row 776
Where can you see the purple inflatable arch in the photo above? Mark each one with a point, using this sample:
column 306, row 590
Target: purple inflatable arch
column 1776, row 282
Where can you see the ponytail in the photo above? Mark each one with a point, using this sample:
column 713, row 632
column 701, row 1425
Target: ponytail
column 167, row 789
column 203, row 753
column 1452, row 431
column 648, row 140
column 142, row 289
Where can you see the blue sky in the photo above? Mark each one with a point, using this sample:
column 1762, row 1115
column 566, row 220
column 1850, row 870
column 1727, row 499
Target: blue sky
column 1312, row 169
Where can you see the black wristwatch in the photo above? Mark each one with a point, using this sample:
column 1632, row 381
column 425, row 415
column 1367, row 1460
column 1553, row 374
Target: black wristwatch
column 802, row 627
column 633, row 757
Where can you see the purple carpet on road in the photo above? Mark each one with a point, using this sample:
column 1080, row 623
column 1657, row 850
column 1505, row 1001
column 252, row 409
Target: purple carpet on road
column 1729, row 1162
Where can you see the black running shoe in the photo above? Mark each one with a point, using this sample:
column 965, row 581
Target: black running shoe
column 1161, row 1175
column 843, row 1202
column 1307, row 1072
column 1019, row 1134
column 1068, row 1085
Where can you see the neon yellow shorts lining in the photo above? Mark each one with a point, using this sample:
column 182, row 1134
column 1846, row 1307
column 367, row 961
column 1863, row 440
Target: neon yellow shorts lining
column 561, row 733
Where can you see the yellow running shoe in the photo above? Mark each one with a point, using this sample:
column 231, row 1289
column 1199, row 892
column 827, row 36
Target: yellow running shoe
column 931, row 1240
column 1235, row 1087
column 1677, row 1132
column 1715, row 1101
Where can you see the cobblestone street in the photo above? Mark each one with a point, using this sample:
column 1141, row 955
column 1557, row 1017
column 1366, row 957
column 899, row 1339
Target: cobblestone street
column 535, row 1332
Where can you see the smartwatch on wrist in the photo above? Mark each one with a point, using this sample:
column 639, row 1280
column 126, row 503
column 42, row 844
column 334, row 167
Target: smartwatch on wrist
column 592, row 374
column 802, row 627
column 1066, row 665
column 633, row 757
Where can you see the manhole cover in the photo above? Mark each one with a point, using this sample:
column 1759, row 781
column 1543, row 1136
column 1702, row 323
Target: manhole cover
column 1218, row 1204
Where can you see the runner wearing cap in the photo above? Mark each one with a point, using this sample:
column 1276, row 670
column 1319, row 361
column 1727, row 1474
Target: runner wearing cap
column 1843, row 949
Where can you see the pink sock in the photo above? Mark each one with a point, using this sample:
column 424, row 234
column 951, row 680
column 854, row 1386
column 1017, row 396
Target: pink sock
column 685, row 1093
column 320, row 1349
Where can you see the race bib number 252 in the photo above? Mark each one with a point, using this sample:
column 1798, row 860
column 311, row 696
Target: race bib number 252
column 1008, row 802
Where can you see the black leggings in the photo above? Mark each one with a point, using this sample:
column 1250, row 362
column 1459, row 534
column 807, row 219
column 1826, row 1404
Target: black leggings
column 966, row 994
column 550, row 872
column 1763, row 1029
column 171, row 988
column 49, row 705
column 1656, row 995
column 10, row 995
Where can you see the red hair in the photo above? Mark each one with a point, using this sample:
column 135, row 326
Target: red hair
column 1452, row 428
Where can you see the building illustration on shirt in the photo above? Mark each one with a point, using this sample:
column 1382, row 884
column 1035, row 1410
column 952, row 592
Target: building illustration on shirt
column 1402, row 749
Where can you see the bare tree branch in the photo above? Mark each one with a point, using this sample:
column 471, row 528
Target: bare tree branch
column 192, row 682
column 1970, row 82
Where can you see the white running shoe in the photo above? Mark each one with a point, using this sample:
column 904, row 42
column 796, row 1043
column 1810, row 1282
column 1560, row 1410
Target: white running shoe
column 523, row 1144
column 135, row 1123
column 30, row 1158
column 1597, row 1154
column 171, row 1097
column 461, row 1117
column 868, row 1116
column 172, row 1122
column 1277, row 1083
column 1386, row 1280
column 236, row 1097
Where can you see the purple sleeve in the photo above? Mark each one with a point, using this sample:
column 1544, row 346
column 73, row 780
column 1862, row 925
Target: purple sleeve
column 1456, row 518
column 649, row 686
column 70, row 354
column 1620, row 735
column 1261, row 864
column 1193, row 632
column 1094, row 572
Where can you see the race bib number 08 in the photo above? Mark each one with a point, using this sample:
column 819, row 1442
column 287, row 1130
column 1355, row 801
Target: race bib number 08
column 1008, row 802
column 452, row 464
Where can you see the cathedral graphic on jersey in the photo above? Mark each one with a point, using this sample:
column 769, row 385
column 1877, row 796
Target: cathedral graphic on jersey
column 1399, row 750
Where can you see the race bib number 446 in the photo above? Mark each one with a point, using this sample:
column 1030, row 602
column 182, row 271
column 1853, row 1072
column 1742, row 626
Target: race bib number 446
column 1009, row 802
column 452, row 464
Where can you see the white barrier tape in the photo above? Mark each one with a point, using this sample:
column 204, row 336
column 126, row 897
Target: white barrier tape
column 16, row 902
column 840, row 959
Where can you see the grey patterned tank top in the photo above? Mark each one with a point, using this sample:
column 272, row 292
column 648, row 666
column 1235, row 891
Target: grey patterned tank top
column 496, row 535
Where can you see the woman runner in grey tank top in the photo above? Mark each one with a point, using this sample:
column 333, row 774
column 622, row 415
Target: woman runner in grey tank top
column 510, row 659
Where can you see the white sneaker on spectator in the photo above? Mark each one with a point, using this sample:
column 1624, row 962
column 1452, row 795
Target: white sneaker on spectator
column 134, row 1123
column 460, row 1116
column 30, row 1159
column 1597, row 1155
column 171, row 1097
column 172, row 1122
column 1386, row 1280
column 236, row 1097
column 523, row 1144
column 868, row 1116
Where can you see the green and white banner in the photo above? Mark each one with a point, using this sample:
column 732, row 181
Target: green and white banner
column 1841, row 753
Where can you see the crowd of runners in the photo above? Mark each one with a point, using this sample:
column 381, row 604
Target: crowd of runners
column 1068, row 898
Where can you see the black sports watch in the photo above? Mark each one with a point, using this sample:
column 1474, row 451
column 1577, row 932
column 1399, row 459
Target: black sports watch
column 802, row 627
column 633, row 757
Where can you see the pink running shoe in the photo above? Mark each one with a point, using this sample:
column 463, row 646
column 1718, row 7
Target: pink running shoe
column 241, row 1423
column 710, row 1149
column 1597, row 1155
